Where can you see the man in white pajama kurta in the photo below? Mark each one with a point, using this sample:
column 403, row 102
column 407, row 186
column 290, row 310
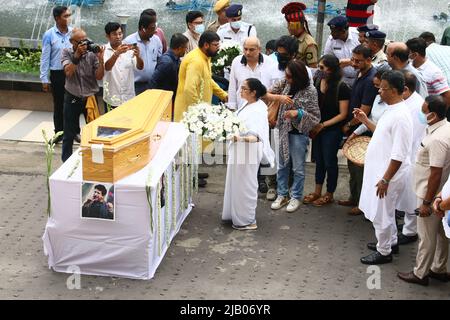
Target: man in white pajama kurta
column 386, row 166
column 408, row 204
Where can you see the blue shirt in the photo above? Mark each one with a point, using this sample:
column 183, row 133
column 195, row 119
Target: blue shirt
column 150, row 51
column 53, row 42
column 165, row 76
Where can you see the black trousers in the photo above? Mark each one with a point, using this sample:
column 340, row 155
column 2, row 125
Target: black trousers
column 58, row 80
column 73, row 108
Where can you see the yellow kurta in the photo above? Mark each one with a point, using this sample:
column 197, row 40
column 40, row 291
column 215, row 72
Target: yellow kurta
column 195, row 76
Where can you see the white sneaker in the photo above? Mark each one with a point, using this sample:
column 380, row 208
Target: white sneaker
column 271, row 194
column 293, row 205
column 279, row 203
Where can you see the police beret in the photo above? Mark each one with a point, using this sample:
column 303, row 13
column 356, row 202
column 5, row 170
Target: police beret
column 367, row 28
column 293, row 11
column 221, row 4
column 375, row 34
column 235, row 10
column 338, row 22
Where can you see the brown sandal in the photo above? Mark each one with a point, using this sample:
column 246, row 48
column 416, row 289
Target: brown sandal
column 310, row 198
column 323, row 201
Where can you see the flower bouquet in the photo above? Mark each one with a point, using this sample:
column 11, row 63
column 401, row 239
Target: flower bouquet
column 228, row 51
column 215, row 123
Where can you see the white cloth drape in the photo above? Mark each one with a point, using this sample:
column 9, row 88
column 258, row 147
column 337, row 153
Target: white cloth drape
column 125, row 247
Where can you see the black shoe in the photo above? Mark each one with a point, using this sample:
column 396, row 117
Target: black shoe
column 399, row 214
column 77, row 138
column 376, row 258
column 373, row 246
column 402, row 239
column 203, row 175
column 263, row 188
column 202, row 183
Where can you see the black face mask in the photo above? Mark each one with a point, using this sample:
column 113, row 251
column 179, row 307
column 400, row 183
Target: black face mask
column 282, row 61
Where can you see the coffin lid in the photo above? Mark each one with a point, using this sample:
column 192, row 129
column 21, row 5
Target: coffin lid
column 131, row 122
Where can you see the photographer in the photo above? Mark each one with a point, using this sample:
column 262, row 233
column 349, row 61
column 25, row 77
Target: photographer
column 82, row 68
column 121, row 61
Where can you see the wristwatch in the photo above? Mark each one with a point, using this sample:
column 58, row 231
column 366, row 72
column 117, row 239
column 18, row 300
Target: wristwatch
column 426, row 202
column 384, row 181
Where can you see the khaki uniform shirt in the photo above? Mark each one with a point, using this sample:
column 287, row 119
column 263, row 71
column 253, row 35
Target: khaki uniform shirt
column 434, row 151
column 307, row 49
column 213, row 26
column 379, row 59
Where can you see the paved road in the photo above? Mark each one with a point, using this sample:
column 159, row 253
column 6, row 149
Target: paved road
column 310, row 254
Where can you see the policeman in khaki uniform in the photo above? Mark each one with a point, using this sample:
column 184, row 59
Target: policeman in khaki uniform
column 298, row 27
column 219, row 9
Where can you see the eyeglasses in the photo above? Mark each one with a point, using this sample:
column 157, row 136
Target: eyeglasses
column 245, row 89
column 356, row 60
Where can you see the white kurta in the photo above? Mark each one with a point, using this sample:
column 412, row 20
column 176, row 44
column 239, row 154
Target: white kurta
column 391, row 140
column 408, row 201
column 241, row 185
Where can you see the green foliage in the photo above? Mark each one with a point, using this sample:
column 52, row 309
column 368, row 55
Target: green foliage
column 223, row 59
column 21, row 60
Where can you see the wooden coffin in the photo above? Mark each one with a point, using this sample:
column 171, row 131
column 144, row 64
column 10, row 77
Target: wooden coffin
column 125, row 139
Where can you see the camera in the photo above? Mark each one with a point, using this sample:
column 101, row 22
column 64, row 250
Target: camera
column 91, row 46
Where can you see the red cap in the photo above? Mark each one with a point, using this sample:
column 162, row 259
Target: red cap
column 293, row 11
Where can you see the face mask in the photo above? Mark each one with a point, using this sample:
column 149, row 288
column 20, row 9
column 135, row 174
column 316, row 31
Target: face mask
column 282, row 62
column 199, row 28
column 423, row 118
column 235, row 24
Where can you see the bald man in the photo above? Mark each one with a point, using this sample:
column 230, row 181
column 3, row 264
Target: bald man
column 82, row 68
column 398, row 58
column 252, row 64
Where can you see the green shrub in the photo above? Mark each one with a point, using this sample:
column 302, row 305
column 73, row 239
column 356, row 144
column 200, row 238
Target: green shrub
column 21, row 60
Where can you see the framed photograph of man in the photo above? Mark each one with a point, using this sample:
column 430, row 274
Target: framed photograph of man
column 97, row 201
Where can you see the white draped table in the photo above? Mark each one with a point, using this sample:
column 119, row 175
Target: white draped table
column 134, row 244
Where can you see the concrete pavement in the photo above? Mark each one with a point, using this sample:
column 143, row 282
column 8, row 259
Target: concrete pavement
column 310, row 254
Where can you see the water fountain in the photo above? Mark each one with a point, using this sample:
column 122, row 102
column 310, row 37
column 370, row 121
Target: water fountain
column 400, row 19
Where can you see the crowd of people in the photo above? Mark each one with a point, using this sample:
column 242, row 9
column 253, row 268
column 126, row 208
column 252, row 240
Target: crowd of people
column 397, row 93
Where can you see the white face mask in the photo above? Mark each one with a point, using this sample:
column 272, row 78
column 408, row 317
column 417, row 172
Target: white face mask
column 199, row 28
column 235, row 24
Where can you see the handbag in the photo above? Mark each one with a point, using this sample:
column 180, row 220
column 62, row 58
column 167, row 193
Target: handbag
column 272, row 113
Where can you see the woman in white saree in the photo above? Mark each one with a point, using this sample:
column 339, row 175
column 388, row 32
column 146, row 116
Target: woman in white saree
column 245, row 153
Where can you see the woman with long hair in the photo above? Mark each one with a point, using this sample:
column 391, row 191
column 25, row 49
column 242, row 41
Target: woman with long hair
column 298, row 114
column 334, row 97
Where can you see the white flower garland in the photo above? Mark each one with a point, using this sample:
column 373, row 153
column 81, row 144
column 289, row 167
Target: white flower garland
column 158, row 202
column 166, row 204
column 174, row 197
column 214, row 123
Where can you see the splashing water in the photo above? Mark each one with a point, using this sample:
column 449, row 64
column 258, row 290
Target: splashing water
column 400, row 19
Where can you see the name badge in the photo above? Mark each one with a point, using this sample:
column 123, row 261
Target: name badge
column 335, row 48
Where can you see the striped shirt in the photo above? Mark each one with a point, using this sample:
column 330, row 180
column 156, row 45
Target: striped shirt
column 358, row 12
column 434, row 78
column 440, row 56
